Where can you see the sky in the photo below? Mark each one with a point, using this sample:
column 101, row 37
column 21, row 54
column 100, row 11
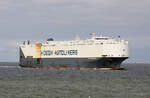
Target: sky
column 36, row 20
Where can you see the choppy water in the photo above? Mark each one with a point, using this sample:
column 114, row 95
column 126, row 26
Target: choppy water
column 18, row 82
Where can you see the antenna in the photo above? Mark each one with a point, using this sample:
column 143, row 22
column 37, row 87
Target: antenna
column 24, row 42
column 119, row 38
column 28, row 42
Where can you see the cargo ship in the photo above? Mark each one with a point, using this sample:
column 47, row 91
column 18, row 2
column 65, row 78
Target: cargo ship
column 94, row 52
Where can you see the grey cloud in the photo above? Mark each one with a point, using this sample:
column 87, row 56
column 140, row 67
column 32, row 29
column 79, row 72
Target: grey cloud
column 35, row 19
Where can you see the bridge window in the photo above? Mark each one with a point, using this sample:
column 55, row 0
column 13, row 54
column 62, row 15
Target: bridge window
column 101, row 38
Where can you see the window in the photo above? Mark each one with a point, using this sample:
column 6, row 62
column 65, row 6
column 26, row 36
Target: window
column 101, row 38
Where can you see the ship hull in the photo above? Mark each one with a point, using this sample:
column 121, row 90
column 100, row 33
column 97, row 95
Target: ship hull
column 72, row 62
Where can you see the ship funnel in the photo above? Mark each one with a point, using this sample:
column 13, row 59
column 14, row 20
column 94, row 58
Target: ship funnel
column 38, row 50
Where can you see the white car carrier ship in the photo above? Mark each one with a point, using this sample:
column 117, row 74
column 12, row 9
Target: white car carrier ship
column 95, row 52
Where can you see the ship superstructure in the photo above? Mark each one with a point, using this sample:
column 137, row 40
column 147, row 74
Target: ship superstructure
column 95, row 52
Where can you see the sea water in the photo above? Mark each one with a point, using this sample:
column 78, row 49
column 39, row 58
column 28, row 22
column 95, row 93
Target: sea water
column 17, row 82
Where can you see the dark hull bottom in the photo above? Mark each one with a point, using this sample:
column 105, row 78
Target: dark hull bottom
column 72, row 62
